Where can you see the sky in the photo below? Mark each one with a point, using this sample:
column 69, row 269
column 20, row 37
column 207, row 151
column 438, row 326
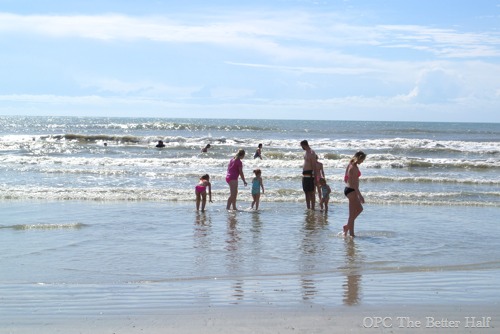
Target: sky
column 385, row 60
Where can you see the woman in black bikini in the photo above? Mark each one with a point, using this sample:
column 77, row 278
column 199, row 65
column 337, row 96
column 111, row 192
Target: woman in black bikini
column 352, row 192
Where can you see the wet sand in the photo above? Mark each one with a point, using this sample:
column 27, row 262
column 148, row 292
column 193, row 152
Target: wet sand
column 146, row 268
column 303, row 319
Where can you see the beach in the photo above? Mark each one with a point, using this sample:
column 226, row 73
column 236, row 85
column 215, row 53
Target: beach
column 102, row 238
column 165, row 268
column 395, row 319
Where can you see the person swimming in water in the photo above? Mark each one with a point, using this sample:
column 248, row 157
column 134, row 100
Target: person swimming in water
column 258, row 152
column 205, row 149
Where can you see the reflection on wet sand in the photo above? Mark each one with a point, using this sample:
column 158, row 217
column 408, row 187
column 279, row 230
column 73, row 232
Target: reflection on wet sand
column 234, row 257
column 202, row 224
column 201, row 239
column 309, row 290
column 256, row 230
column 238, row 291
column 236, row 249
column 352, row 285
column 311, row 244
column 233, row 237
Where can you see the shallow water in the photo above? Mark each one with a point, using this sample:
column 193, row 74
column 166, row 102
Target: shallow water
column 88, row 228
column 86, row 257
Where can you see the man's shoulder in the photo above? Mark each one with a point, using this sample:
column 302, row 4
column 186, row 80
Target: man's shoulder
column 310, row 152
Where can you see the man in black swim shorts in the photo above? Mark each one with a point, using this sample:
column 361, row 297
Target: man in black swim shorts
column 308, row 181
column 308, row 172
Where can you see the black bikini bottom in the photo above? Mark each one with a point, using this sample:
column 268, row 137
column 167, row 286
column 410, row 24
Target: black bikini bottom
column 348, row 190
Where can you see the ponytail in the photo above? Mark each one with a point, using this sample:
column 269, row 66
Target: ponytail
column 240, row 154
column 358, row 156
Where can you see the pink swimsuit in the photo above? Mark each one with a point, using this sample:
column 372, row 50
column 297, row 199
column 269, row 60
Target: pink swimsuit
column 201, row 187
column 346, row 176
column 233, row 169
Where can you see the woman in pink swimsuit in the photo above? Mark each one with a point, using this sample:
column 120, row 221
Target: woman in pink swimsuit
column 234, row 170
column 351, row 191
column 201, row 192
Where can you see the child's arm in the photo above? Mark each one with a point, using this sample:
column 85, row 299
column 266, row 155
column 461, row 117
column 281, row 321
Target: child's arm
column 210, row 192
column 262, row 185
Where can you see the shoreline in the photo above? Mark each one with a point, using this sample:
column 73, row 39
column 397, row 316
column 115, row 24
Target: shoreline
column 268, row 319
column 80, row 267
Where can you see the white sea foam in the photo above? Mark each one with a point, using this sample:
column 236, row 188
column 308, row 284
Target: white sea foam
column 294, row 160
column 220, row 195
column 322, row 145
column 66, row 158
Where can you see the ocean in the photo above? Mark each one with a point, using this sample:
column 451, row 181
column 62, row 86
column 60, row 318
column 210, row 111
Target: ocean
column 96, row 220
column 59, row 158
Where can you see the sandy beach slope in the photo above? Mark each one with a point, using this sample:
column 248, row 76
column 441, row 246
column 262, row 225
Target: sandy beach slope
column 304, row 319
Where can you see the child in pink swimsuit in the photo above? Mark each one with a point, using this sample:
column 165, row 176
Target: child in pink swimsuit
column 201, row 192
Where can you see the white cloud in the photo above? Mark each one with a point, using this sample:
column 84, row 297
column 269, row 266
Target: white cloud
column 437, row 85
column 397, row 67
column 366, row 108
column 311, row 70
column 445, row 43
column 145, row 88
column 230, row 93
column 52, row 99
column 284, row 34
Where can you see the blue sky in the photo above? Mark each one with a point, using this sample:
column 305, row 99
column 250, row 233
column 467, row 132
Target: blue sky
column 411, row 60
